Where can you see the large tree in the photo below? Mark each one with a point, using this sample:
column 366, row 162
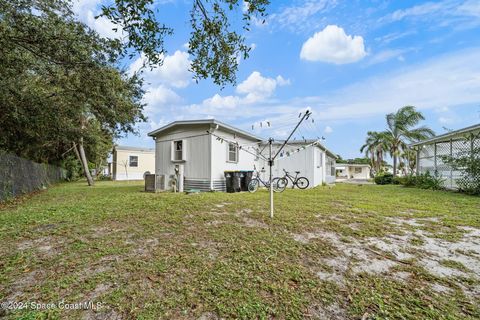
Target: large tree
column 59, row 85
column 215, row 42
column 402, row 128
column 375, row 147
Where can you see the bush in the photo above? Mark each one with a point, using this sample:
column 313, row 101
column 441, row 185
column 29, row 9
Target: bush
column 423, row 181
column 104, row 177
column 410, row 181
column 384, row 178
column 398, row 180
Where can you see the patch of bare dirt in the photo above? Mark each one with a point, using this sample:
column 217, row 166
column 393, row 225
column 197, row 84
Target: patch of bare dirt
column 211, row 248
column 45, row 246
column 331, row 312
column 208, row 316
column 253, row 223
column 143, row 247
column 379, row 255
column 101, row 315
column 23, row 283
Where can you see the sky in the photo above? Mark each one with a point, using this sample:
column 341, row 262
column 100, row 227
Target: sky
column 349, row 62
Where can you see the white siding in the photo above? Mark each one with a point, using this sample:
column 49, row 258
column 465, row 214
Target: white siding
column 197, row 153
column 309, row 161
column 220, row 154
column 205, row 157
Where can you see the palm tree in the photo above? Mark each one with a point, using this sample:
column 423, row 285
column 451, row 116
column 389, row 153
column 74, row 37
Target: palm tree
column 401, row 131
column 374, row 149
column 410, row 157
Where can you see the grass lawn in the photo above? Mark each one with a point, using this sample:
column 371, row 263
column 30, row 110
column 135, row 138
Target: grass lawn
column 342, row 252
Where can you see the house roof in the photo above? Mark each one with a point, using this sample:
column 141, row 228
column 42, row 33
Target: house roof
column 204, row 121
column 129, row 148
column 448, row 135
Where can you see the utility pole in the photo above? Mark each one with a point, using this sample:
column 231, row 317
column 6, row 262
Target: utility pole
column 270, row 164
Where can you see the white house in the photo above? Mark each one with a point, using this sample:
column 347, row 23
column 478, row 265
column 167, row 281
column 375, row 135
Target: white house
column 354, row 171
column 205, row 149
column 309, row 157
column 186, row 145
column 131, row 163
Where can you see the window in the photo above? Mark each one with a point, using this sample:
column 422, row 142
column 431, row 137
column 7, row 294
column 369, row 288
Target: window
column 178, row 150
column 133, row 160
column 232, row 152
column 358, row 170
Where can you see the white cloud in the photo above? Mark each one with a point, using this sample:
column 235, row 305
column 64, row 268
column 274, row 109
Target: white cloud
column 256, row 87
column 471, row 8
column 387, row 55
column 87, row 10
column 219, row 102
column 446, row 81
column 301, row 16
column 252, row 91
column 333, row 45
column 441, row 83
column 445, row 120
column 328, row 129
column 459, row 14
column 157, row 98
column 418, row 10
column 173, row 73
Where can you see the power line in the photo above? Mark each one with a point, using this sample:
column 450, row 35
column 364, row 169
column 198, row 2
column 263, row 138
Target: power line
column 237, row 144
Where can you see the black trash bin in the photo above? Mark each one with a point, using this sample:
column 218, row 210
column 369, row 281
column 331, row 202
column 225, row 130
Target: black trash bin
column 237, row 186
column 229, row 175
column 246, row 177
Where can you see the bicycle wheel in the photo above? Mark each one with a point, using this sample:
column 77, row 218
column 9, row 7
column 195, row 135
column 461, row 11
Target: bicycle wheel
column 279, row 184
column 302, row 183
column 253, row 185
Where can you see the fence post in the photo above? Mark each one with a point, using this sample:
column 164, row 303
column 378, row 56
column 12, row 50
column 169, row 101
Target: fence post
column 418, row 160
column 451, row 169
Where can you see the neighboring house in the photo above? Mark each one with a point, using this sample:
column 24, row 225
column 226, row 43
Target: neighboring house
column 353, row 171
column 204, row 149
column 310, row 157
column 131, row 163
column 430, row 152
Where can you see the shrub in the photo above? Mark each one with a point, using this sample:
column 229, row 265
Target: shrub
column 384, row 178
column 423, row 181
column 398, row 180
column 104, row 177
column 410, row 181
column 429, row 181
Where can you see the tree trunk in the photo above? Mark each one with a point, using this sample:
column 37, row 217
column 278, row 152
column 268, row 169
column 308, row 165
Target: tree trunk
column 394, row 164
column 83, row 160
column 372, row 163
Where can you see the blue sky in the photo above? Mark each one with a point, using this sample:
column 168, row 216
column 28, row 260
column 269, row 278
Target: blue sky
column 350, row 62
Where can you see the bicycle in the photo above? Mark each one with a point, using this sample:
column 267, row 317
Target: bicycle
column 300, row 182
column 255, row 182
